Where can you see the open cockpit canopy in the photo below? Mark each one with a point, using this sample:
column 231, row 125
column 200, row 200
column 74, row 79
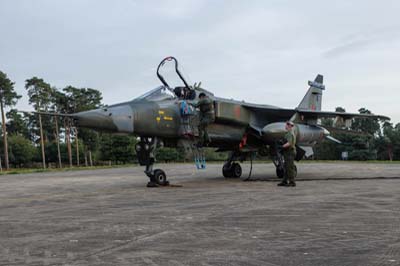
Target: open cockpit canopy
column 166, row 92
column 183, row 92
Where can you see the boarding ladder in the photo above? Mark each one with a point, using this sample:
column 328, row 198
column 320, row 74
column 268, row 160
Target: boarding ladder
column 188, row 129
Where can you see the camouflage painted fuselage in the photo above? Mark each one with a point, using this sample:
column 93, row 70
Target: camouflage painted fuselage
column 163, row 119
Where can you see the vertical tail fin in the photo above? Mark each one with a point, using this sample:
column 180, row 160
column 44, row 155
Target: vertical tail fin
column 313, row 98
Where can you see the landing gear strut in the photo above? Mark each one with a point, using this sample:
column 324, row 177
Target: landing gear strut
column 145, row 151
column 279, row 163
column 232, row 169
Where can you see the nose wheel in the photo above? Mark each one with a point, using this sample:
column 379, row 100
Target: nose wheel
column 160, row 177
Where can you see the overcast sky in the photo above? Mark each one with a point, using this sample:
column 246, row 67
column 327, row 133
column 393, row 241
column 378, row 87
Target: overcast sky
column 257, row 51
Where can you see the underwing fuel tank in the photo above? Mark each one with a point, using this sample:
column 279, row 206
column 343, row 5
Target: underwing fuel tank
column 305, row 134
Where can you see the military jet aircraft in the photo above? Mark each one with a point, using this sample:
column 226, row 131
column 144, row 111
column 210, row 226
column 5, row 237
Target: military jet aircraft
column 164, row 117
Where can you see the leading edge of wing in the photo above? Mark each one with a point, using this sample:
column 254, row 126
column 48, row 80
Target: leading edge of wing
column 277, row 112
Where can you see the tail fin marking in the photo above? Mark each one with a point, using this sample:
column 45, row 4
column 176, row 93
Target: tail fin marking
column 313, row 98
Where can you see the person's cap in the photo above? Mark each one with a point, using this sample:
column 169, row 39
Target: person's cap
column 290, row 123
column 202, row 94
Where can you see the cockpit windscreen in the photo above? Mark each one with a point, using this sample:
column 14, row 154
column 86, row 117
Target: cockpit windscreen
column 158, row 94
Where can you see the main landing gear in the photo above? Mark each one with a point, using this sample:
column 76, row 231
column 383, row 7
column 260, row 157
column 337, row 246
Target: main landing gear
column 145, row 151
column 279, row 163
column 232, row 169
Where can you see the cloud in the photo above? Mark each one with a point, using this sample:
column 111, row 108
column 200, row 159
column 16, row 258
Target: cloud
column 358, row 42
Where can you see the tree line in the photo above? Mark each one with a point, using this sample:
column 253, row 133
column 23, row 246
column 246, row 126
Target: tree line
column 368, row 139
column 35, row 140
column 31, row 139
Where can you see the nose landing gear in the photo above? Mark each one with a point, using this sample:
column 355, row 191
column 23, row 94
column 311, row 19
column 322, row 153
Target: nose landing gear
column 160, row 177
column 145, row 151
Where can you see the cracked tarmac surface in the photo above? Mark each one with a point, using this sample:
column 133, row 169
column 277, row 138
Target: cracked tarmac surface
column 339, row 214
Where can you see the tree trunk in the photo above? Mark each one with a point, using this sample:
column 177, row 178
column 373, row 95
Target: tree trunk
column 58, row 143
column 77, row 146
column 3, row 119
column 86, row 155
column 390, row 153
column 90, row 158
column 42, row 142
column 68, row 141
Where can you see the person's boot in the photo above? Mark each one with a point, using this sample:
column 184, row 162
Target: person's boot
column 292, row 184
column 283, row 184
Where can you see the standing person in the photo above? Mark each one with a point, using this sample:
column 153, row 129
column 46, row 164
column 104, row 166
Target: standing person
column 289, row 153
column 207, row 116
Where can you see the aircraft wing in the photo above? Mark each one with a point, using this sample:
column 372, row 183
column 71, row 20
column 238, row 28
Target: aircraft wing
column 345, row 131
column 308, row 114
column 323, row 114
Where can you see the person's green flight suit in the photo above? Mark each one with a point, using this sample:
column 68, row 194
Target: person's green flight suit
column 289, row 154
column 207, row 116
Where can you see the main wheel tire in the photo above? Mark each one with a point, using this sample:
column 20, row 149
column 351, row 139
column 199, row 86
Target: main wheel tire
column 160, row 177
column 280, row 172
column 236, row 170
column 227, row 170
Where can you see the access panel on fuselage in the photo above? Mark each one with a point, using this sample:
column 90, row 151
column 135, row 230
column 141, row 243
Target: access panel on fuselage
column 231, row 112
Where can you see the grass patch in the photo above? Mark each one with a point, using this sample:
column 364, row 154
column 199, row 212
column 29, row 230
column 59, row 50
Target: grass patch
column 15, row 171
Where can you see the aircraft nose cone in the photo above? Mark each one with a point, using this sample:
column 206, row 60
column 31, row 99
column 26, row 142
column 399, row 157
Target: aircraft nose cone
column 96, row 119
column 116, row 119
